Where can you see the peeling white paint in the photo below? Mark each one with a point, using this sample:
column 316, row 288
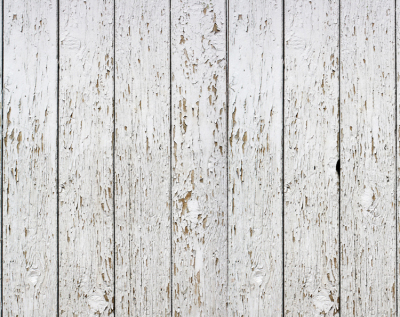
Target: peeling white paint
column 255, row 158
column 311, row 202
column 142, row 166
column 29, row 158
column 368, row 214
column 86, row 158
column 225, row 257
column 199, row 158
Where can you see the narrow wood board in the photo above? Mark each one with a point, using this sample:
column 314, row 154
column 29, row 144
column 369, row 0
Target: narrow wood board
column 199, row 157
column 311, row 126
column 368, row 214
column 397, row 77
column 142, row 153
column 2, row 133
column 86, row 158
column 29, row 158
column 255, row 158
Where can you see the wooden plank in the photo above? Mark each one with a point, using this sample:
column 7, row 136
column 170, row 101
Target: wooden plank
column 1, row 147
column 367, row 85
column 311, row 198
column 86, row 158
column 397, row 78
column 142, row 166
column 29, row 161
column 199, row 161
column 255, row 158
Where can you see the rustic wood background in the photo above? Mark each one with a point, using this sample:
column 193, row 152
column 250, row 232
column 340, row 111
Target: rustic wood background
column 181, row 158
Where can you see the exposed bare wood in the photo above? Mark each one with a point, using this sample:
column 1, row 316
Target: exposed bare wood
column 255, row 158
column 368, row 237
column 86, row 158
column 199, row 177
column 142, row 166
column 29, row 158
column 311, row 205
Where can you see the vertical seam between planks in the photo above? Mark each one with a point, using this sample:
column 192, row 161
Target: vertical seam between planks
column 395, row 148
column 227, row 152
column 2, row 146
column 170, row 159
column 113, row 162
column 283, row 158
column 340, row 168
column 58, row 158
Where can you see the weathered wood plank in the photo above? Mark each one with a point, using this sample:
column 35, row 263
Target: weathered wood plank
column 86, row 158
column 368, row 237
column 311, row 204
column 199, row 184
column 397, row 138
column 30, row 172
column 1, row 143
column 255, row 158
column 142, row 166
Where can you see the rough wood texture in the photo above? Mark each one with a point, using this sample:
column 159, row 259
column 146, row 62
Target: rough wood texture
column 199, row 189
column 86, row 158
column 142, row 166
column 184, row 157
column 1, row 143
column 255, row 158
column 397, row 78
column 311, row 205
column 368, row 243
column 30, row 173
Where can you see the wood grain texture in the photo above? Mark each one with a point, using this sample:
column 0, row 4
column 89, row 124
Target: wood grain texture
column 255, row 158
column 367, row 84
column 29, row 161
column 311, row 205
column 199, row 178
column 142, row 166
column 86, row 158
column 397, row 137
column 1, row 146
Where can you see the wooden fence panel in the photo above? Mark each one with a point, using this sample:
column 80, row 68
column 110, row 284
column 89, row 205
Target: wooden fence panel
column 367, row 140
column 255, row 158
column 181, row 157
column 142, row 158
column 86, row 158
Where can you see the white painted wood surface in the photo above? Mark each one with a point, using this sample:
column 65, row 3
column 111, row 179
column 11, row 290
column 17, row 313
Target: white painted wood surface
column 29, row 158
column 368, row 213
column 142, row 165
column 198, row 175
column 86, row 158
column 199, row 157
column 311, row 197
column 397, row 43
column 255, row 158
column 1, row 149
